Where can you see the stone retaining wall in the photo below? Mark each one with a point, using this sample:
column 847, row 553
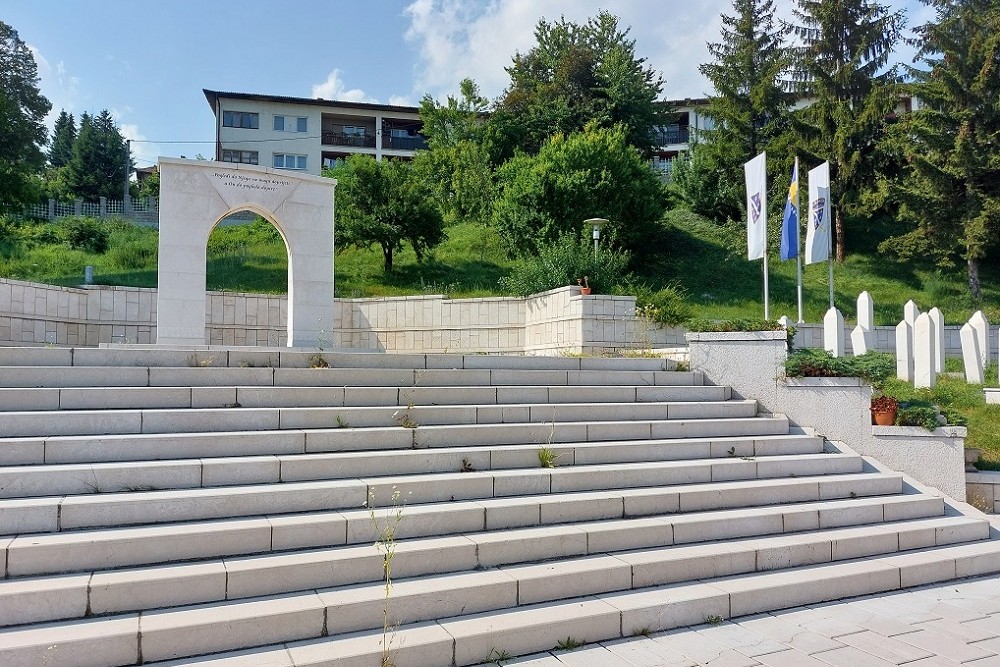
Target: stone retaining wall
column 560, row 320
column 983, row 490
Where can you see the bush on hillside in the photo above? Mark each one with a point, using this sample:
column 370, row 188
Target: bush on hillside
column 563, row 263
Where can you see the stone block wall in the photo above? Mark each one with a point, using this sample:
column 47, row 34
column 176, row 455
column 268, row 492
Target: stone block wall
column 429, row 323
column 36, row 314
column 811, row 335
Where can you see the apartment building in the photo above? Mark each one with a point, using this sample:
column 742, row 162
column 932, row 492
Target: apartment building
column 308, row 134
column 305, row 134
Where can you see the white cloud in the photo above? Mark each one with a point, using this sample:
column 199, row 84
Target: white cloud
column 455, row 39
column 56, row 84
column 334, row 89
column 400, row 100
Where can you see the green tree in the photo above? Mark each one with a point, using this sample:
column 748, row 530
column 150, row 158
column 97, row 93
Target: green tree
column 950, row 190
column 594, row 173
column 457, row 164
column 842, row 67
column 63, row 137
column 22, row 114
column 98, row 166
column 574, row 75
column 384, row 203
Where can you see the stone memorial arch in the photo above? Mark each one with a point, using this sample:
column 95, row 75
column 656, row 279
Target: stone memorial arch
column 195, row 195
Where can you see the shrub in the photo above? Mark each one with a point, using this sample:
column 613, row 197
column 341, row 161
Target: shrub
column 873, row 367
column 561, row 263
column 665, row 306
column 81, row 233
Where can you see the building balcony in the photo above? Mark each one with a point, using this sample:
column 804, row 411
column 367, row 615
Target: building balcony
column 354, row 140
column 672, row 135
column 412, row 143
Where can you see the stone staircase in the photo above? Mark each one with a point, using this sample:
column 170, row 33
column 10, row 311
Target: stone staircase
column 216, row 507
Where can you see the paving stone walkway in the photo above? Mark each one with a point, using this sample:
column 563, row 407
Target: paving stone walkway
column 935, row 626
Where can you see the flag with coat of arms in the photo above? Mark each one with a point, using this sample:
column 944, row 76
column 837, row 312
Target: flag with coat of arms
column 756, row 179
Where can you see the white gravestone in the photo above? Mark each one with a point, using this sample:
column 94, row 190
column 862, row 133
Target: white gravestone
column 833, row 332
column 904, row 351
column 937, row 320
column 970, row 355
column 866, row 323
column 859, row 340
column 982, row 328
column 924, row 345
column 866, row 311
column 910, row 313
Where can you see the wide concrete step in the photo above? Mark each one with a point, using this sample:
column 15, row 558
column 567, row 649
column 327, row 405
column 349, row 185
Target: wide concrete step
column 143, row 506
column 480, row 613
column 284, row 357
column 181, row 420
column 114, row 477
column 162, row 446
column 137, row 398
column 703, row 511
column 211, row 376
column 353, row 576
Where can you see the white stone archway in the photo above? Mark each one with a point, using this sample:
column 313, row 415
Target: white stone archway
column 195, row 195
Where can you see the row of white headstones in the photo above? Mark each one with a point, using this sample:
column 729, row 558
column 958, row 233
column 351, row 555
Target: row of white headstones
column 919, row 341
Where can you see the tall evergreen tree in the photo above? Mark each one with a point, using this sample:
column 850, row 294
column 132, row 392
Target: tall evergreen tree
column 842, row 67
column 951, row 145
column 749, row 109
column 22, row 115
column 749, row 106
column 98, row 166
column 63, row 136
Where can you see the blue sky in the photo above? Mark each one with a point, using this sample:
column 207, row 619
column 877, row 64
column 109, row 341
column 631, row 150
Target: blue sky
column 148, row 61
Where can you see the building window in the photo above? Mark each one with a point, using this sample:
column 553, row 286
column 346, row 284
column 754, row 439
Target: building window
column 289, row 161
column 245, row 119
column 240, row 157
column 398, row 133
column 290, row 123
column 352, row 131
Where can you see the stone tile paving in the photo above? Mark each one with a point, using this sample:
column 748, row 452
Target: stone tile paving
column 936, row 626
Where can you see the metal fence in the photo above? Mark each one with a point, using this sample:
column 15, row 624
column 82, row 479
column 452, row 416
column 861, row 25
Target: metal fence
column 140, row 210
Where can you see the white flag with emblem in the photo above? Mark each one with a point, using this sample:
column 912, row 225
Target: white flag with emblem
column 756, row 175
column 818, row 230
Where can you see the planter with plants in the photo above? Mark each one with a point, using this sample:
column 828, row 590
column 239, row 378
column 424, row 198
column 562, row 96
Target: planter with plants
column 884, row 410
column 584, row 284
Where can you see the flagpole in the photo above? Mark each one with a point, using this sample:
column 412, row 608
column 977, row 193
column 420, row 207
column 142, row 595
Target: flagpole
column 798, row 241
column 767, row 304
column 829, row 258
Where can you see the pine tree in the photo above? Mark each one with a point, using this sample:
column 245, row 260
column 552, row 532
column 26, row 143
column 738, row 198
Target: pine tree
column 63, row 136
column 98, row 165
column 22, row 114
column 841, row 66
column 749, row 108
column 951, row 188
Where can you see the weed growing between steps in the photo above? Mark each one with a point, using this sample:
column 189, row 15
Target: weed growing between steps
column 385, row 542
column 547, row 458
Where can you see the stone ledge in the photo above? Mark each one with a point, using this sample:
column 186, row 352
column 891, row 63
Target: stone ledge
column 920, row 432
column 734, row 336
column 992, row 395
column 823, row 382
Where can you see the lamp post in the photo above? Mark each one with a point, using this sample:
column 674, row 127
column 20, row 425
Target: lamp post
column 595, row 227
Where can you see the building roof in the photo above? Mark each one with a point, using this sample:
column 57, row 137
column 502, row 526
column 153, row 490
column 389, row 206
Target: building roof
column 212, row 96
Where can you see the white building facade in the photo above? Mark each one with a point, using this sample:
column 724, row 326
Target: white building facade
column 305, row 135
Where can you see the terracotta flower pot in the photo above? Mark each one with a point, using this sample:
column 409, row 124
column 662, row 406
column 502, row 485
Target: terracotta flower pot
column 585, row 290
column 884, row 418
